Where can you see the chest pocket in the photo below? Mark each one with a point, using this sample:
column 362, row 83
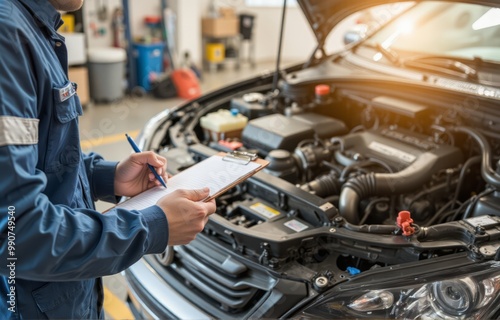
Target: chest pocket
column 63, row 149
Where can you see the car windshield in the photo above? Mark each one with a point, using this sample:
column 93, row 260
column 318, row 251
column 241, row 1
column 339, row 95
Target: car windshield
column 458, row 30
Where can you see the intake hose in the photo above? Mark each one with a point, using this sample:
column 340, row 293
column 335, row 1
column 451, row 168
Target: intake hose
column 387, row 184
column 323, row 186
column 489, row 175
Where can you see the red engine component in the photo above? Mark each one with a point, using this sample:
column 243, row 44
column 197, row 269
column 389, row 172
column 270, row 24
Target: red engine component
column 322, row 90
column 404, row 221
column 231, row 144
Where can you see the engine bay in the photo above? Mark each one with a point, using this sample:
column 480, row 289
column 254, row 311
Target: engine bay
column 344, row 164
column 381, row 194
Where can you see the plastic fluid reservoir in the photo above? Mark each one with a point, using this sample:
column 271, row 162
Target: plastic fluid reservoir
column 223, row 124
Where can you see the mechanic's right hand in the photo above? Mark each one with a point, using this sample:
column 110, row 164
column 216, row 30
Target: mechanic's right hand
column 186, row 214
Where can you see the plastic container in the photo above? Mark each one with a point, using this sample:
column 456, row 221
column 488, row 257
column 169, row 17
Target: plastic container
column 223, row 124
column 153, row 23
column 149, row 62
column 106, row 73
column 215, row 52
column 246, row 26
column 69, row 23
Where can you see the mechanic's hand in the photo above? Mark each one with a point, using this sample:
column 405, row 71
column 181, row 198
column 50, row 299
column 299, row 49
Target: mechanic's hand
column 132, row 176
column 186, row 214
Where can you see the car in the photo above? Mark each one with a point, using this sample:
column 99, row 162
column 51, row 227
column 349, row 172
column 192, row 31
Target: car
column 382, row 194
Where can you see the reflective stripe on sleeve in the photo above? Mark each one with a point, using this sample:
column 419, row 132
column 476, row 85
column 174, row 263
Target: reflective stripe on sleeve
column 18, row 131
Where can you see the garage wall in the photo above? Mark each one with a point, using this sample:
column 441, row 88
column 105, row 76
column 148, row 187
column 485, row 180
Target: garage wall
column 103, row 38
column 298, row 41
column 266, row 30
column 189, row 14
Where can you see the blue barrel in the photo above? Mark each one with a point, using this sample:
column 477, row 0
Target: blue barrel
column 149, row 62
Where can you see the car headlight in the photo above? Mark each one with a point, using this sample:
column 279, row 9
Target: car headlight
column 464, row 293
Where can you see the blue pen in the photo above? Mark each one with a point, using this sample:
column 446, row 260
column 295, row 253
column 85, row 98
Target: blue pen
column 136, row 149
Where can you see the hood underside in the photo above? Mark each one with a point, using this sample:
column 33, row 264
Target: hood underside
column 323, row 15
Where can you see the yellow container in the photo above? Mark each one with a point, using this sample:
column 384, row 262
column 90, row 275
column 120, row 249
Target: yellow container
column 69, row 23
column 214, row 52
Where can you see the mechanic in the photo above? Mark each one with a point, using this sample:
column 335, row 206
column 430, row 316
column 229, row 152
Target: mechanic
column 54, row 245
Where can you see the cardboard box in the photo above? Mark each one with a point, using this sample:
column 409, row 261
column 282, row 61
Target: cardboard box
column 220, row 27
column 80, row 76
column 227, row 12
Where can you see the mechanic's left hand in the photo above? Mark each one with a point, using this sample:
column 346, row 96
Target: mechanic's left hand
column 133, row 176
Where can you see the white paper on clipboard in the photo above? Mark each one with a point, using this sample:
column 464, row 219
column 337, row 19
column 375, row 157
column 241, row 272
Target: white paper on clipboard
column 215, row 172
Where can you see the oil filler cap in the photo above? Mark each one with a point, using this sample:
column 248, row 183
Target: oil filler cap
column 322, row 90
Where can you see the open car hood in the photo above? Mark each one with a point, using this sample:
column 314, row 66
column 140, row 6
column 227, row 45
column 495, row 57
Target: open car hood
column 324, row 15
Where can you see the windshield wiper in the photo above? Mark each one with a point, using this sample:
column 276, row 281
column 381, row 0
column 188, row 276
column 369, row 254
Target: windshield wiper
column 436, row 64
column 446, row 65
column 391, row 55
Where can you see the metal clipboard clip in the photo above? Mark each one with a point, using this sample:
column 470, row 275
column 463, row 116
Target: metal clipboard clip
column 241, row 157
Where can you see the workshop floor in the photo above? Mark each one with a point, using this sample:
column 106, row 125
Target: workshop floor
column 103, row 128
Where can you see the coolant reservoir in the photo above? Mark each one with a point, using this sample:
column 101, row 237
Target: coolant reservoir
column 223, row 124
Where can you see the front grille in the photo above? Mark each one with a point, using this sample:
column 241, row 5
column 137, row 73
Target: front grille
column 214, row 279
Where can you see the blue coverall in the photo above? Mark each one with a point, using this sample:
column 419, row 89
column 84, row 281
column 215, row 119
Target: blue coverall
column 54, row 245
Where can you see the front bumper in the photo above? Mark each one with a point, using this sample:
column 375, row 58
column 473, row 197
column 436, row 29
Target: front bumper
column 205, row 282
column 152, row 298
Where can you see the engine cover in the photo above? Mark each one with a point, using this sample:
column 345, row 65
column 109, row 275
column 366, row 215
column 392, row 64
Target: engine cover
column 397, row 147
column 277, row 131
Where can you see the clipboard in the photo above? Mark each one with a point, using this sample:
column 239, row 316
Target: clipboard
column 219, row 173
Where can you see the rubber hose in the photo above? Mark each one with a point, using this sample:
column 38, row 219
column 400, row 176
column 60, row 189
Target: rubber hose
column 386, row 184
column 447, row 231
column 323, row 186
column 489, row 175
column 377, row 229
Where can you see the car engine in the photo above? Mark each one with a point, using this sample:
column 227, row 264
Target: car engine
column 359, row 177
